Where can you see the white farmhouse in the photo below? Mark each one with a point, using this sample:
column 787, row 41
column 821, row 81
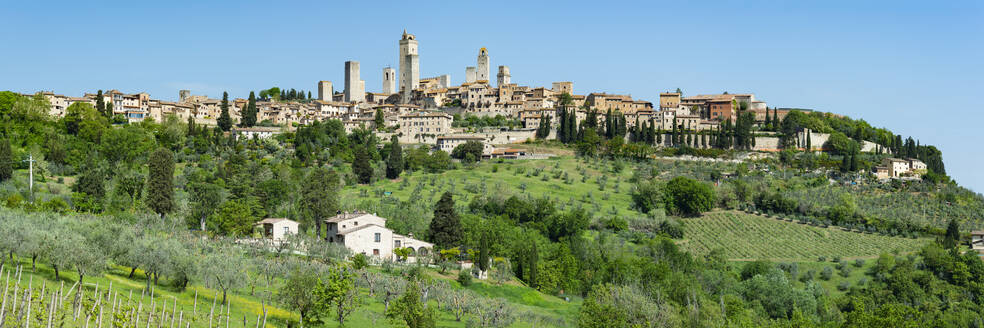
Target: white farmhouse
column 278, row 228
column 366, row 233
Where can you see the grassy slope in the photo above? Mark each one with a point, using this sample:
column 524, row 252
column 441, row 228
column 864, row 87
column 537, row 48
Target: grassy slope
column 369, row 315
column 745, row 236
column 506, row 181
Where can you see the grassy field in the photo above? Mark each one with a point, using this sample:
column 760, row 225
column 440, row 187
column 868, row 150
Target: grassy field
column 745, row 236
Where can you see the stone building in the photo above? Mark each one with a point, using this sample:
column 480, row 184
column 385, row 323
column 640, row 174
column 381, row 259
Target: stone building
column 325, row 90
column 355, row 88
column 365, row 233
column 503, row 78
column 424, row 127
column 409, row 66
column 389, row 80
column 482, row 70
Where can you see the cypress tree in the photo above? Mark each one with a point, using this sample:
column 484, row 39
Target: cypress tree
column 6, row 160
column 361, row 166
column 952, row 236
column 809, row 142
column 673, row 133
column 224, row 121
column 160, row 181
column 379, row 119
column 651, row 136
column 445, row 229
column 483, row 251
column 100, row 103
column 394, row 162
column 534, row 259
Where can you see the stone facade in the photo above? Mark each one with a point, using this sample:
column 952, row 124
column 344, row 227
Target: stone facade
column 409, row 66
column 503, row 78
column 325, row 90
column 355, row 88
column 424, row 127
column 389, row 80
column 482, row 70
column 365, row 233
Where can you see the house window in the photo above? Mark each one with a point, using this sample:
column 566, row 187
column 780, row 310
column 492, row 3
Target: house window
column 378, row 237
column 396, row 243
column 375, row 251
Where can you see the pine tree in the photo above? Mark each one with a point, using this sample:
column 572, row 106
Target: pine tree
column 224, row 121
column 394, row 162
column 445, row 229
column 160, row 181
column 6, row 160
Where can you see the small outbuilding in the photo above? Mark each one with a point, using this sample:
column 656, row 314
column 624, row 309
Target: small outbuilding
column 278, row 228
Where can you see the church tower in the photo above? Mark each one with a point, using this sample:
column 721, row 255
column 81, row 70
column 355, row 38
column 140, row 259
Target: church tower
column 409, row 66
column 389, row 80
column 482, row 74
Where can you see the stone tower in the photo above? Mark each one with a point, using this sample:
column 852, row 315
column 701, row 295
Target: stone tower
column 409, row 66
column 503, row 76
column 325, row 90
column 483, row 65
column 470, row 74
column 389, row 80
column 355, row 89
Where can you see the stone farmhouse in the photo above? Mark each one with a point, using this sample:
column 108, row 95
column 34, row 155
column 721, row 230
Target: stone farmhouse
column 367, row 234
column 277, row 229
column 894, row 168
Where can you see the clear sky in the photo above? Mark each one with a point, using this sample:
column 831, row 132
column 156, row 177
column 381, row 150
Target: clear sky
column 912, row 66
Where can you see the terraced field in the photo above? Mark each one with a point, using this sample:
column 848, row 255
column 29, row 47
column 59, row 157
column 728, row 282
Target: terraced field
column 745, row 236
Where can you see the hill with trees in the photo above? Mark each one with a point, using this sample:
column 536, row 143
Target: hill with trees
column 621, row 232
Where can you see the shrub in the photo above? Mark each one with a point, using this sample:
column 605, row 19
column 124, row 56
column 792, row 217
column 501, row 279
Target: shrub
column 844, row 285
column 464, row 277
column 859, row 263
column 359, row 261
column 827, row 273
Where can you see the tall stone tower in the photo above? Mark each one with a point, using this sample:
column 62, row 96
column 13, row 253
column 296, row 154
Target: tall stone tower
column 470, row 74
column 389, row 80
column 409, row 66
column 355, row 89
column 482, row 74
column 503, row 77
column 325, row 90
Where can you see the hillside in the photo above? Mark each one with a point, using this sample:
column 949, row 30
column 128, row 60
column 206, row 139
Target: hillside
column 747, row 237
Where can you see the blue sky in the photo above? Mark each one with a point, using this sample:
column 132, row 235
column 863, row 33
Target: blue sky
column 912, row 66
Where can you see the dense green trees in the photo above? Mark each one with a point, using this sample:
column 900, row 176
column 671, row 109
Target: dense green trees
column 319, row 197
column 468, row 152
column 6, row 160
